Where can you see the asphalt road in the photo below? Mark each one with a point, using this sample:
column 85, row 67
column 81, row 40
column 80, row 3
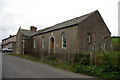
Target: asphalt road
column 16, row 67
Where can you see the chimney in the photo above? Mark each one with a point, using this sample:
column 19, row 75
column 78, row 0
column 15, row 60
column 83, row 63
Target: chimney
column 10, row 36
column 32, row 28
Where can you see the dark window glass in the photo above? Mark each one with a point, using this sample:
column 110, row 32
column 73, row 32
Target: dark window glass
column 63, row 40
column 89, row 37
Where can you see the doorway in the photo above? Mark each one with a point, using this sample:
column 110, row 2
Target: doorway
column 52, row 45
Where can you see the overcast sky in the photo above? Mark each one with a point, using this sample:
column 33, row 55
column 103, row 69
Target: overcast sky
column 45, row 13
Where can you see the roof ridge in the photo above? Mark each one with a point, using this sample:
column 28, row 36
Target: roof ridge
column 77, row 17
column 25, row 29
column 67, row 23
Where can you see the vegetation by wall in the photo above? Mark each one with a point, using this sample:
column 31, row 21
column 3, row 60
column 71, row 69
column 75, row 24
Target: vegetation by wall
column 104, row 65
column 116, row 43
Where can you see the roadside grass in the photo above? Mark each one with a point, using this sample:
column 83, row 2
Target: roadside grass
column 25, row 57
column 116, row 40
column 108, row 70
column 107, row 67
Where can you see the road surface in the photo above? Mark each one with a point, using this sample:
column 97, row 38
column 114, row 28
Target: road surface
column 16, row 67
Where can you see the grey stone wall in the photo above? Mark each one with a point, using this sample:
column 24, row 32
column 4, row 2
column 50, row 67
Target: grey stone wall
column 76, row 37
column 96, row 26
column 72, row 42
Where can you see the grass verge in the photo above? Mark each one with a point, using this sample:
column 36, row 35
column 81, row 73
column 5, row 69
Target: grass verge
column 105, row 71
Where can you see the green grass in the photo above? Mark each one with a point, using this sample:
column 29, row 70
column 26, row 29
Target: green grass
column 25, row 57
column 103, row 71
column 109, row 70
column 116, row 40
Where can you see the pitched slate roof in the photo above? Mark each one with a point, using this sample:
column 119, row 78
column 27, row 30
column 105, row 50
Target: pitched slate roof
column 8, row 37
column 27, row 32
column 40, row 31
column 65, row 24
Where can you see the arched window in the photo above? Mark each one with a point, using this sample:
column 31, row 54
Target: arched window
column 63, row 40
column 43, row 42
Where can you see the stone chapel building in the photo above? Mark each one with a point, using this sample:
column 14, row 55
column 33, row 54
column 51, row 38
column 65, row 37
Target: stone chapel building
column 84, row 34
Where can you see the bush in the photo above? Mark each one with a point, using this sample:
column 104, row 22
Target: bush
column 89, row 69
column 110, row 68
column 82, row 59
column 111, row 58
column 107, row 65
column 99, row 58
column 101, row 71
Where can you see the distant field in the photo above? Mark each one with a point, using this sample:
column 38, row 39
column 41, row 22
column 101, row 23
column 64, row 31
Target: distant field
column 115, row 40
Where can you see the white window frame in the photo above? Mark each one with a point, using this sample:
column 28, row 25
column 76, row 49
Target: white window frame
column 43, row 42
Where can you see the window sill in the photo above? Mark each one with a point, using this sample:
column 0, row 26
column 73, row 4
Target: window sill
column 64, row 48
